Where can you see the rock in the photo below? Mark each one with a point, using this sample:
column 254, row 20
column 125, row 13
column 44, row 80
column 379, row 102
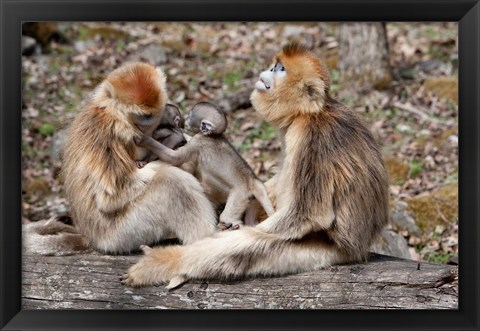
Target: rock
column 58, row 141
column 30, row 46
column 401, row 218
column 434, row 67
column 153, row 54
column 453, row 260
column 391, row 243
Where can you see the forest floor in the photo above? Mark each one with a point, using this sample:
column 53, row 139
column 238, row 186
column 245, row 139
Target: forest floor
column 415, row 119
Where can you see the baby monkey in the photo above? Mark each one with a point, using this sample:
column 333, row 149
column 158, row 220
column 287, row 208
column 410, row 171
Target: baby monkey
column 169, row 132
column 225, row 175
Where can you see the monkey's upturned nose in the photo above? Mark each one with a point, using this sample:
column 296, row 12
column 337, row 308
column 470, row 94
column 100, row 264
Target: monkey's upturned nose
column 266, row 86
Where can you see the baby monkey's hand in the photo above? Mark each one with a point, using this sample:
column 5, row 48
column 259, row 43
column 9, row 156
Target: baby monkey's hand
column 141, row 164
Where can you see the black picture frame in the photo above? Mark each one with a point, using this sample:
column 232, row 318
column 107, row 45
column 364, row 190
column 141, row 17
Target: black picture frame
column 13, row 12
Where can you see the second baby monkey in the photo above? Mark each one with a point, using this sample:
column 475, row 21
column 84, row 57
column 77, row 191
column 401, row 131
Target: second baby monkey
column 225, row 175
column 169, row 132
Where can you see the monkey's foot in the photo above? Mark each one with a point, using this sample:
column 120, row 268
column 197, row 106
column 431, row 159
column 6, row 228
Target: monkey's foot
column 145, row 248
column 158, row 266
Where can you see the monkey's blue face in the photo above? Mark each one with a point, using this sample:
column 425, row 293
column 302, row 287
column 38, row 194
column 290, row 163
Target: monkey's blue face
column 270, row 78
column 146, row 123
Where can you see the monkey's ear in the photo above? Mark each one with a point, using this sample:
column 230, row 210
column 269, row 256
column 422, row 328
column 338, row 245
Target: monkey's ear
column 206, row 127
column 109, row 90
column 314, row 89
column 177, row 121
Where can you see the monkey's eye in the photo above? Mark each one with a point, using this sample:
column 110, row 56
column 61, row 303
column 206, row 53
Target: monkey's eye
column 277, row 67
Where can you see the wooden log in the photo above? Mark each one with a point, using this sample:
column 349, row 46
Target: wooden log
column 91, row 281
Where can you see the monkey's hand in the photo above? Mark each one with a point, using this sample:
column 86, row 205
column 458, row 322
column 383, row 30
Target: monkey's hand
column 141, row 164
column 157, row 266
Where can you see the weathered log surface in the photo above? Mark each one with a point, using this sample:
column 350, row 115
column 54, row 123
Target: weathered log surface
column 92, row 281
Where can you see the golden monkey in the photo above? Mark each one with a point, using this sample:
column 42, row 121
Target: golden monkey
column 57, row 236
column 331, row 190
column 225, row 175
column 169, row 132
column 114, row 205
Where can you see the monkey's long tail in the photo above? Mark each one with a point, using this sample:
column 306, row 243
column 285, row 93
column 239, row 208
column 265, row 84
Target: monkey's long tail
column 249, row 252
column 53, row 237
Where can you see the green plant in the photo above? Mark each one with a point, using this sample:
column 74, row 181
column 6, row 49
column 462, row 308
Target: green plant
column 415, row 168
column 46, row 129
column 232, row 78
column 438, row 258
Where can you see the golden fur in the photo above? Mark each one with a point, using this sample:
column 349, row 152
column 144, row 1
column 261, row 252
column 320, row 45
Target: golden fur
column 116, row 206
column 331, row 192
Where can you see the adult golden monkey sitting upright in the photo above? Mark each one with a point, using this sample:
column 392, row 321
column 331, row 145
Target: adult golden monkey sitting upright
column 116, row 206
column 331, row 191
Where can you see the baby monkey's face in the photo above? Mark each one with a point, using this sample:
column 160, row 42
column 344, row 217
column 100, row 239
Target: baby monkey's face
column 193, row 122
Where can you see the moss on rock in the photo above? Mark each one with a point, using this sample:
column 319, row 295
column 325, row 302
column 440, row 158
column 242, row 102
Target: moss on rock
column 438, row 207
column 444, row 87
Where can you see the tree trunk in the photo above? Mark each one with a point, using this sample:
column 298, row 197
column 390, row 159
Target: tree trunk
column 91, row 281
column 363, row 58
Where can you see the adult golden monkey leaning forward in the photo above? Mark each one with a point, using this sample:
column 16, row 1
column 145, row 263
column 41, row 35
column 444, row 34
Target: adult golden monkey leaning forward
column 116, row 206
